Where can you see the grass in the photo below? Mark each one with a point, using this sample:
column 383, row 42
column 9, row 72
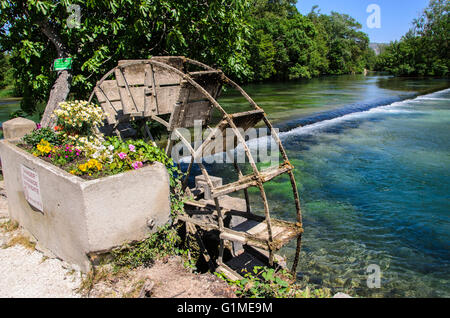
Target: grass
column 20, row 239
column 9, row 226
column 103, row 273
column 7, row 92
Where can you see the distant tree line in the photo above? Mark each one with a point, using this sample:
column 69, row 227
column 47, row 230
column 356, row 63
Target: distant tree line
column 285, row 44
column 424, row 50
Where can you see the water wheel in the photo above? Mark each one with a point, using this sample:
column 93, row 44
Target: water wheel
column 178, row 92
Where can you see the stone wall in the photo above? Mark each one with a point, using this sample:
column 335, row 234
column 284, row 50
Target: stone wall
column 77, row 217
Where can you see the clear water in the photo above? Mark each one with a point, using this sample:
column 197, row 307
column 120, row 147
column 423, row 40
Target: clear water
column 373, row 169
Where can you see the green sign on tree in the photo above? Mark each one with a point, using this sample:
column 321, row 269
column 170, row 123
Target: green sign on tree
column 62, row 64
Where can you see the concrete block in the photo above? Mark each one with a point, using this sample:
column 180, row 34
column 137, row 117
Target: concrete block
column 200, row 183
column 16, row 128
column 78, row 217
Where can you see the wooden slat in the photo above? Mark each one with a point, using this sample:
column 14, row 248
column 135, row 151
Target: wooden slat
column 132, row 97
column 134, row 74
column 196, row 111
column 229, row 273
column 109, row 99
column 224, row 137
column 164, row 77
column 150, row 102
column 167, row 98
column 199, row 73
column 174, row 61
column 250, row 180
column 286, row 231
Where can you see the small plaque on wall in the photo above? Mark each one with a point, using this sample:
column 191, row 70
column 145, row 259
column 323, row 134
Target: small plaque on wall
column 31, row 188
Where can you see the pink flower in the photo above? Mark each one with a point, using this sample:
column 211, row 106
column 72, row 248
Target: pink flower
column 136, row 165
column 122, row 155
column 132, row 148
column 38, row 126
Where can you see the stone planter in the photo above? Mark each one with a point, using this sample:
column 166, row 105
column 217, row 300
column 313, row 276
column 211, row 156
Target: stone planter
column 73, row 217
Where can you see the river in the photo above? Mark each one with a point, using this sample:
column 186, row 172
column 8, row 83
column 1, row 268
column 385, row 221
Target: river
column 372, row 163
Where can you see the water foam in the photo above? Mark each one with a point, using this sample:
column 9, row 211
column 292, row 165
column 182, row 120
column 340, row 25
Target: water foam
column 393, row 108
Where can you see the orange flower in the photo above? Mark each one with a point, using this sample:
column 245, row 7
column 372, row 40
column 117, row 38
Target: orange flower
column 58, row 128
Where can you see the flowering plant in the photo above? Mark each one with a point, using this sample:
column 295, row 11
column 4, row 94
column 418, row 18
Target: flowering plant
column 78, row 117
column 92, row 166
column 133, row 154
column 78, row 147
column 64, row 154
column 43, row 148
column 36, row 136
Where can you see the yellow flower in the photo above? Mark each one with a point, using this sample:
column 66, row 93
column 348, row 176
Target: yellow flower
column 82, row 167
column 44, row 146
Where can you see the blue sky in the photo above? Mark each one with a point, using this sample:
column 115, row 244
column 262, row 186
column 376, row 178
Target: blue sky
column 396, row 15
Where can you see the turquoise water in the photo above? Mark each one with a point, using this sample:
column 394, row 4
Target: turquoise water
column 373, row 168
column 375, row 187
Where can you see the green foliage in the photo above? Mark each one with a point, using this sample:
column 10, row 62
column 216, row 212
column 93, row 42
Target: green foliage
column 287, row 45
column 6, row 71
column 162, row 243
column 424, row 50
column 17, row 113
column 248, row 39
column 34, row 138
column 214, row 32
column 347, row 45
column 264, row 282
column 133, row 151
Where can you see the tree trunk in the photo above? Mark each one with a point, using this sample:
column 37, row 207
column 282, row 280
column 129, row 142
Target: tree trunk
column 58, row 94
column 61, row 87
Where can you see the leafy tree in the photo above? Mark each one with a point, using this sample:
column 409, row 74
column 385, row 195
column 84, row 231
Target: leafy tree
column 286, row 44
column 36, row 32
column 424, row 50
column 3, row 70
column 347, row 44
column 6, row 75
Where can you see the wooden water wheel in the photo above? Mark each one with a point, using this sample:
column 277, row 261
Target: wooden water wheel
column 178, row 92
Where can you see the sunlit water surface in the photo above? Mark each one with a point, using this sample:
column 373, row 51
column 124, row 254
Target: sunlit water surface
column 373, row 168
